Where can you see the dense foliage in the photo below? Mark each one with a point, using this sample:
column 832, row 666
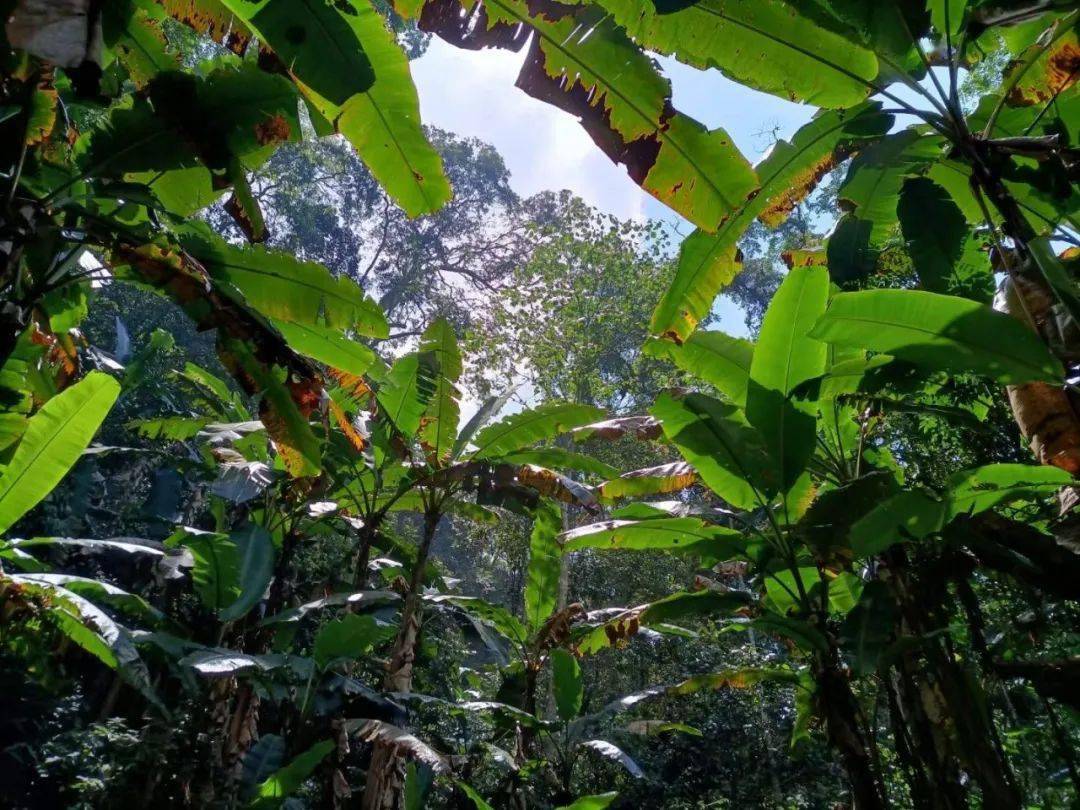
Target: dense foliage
column 334, row 474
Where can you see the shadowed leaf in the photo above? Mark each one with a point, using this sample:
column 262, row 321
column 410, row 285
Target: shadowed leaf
column 545, row 565
column 938, row 332
column 567, row 684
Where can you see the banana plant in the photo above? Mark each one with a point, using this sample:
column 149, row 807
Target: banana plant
column 967, row 192
column 1000, row 164
column 49, row 444
column 404, row 453
column 105, row 174
column 809, row 494
column 545, row 646
column 256, row 642
column 408, row 452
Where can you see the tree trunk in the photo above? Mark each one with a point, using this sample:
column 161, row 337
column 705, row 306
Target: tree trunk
column 368, row 533
column 1022, row 552
column 848, row 737
column 1052, row 679
column 386, row 775
column 280, row 587
column 1064, row 745
column 766, row 731
column 1045, row 413
column 922, row 795
column 1048, row 415
column 940, row 691
column 527, row 736
column 938, row 779
column 11, row 326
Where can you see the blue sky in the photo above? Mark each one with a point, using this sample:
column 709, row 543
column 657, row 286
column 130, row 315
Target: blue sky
column 472, row 93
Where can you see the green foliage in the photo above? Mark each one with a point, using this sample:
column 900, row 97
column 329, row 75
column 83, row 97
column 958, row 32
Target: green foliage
column 869, row 195
column 681, row 535
column 407, row 391
column 597, row 802
column 276, row 788
column 327, row 346
column 545, row 325
column 337, row 71
column 785, row 357
column 349, row 638
column 441, row 418
column 216, row 574
column 938, row 333
column 770, row 47
column 914, row 514
column 255, row 552
column 696, row 171
column 715, row 438
column 279, row 286
column 946, row 257
column 709, row 261
column 52, row 442
column 720, row 360
column 520, row 430
column 867, row 628
column 383, row 121
column 567, row 685
column 819, row 556
column 545, row 566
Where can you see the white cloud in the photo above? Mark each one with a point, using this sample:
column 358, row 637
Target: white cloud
column 472, row 93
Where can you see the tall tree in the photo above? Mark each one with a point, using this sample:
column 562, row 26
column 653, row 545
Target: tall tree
column 570, row 322
column 320, row 202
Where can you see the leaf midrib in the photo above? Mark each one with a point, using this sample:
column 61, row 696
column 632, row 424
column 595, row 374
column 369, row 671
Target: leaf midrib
column 712, row 425
column 413, row 174
column 798, row 49
column 782, row 434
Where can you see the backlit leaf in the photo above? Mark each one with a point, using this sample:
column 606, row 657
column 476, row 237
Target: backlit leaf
column 528, row 427
column 288, row 780
column 715, row 439
column 54, row 439
column 439, row 424
column 708, row 262
column 382, row 121
column 687, row 535
column 768, row 45
column 662, row 479
column 216, row 574
column 718, row 359
column 314, row 41
column 284, row 287
column 327, row 346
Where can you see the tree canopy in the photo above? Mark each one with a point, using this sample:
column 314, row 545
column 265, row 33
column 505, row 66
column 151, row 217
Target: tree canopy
column 333, row 473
